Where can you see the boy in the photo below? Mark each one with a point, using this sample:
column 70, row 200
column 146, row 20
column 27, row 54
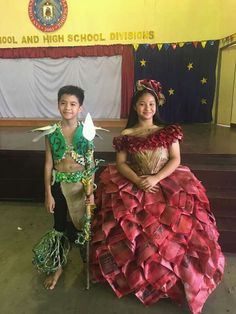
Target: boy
column 68, row 155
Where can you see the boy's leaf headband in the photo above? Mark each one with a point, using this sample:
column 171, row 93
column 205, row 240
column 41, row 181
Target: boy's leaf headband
column 153, row 86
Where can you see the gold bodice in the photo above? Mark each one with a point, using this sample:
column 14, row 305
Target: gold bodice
column 149, row 161
column 148, row 149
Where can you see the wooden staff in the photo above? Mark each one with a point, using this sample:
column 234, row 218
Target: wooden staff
column 88, row 187
column 89, row 132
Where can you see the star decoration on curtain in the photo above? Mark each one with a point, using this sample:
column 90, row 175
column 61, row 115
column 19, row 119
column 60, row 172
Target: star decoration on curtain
column 171, row 91
column 187, row 76
column 143, row 63
column 203, row 80
column 190, row 66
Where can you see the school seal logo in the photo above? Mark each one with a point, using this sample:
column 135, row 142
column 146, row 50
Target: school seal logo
column 48, row 16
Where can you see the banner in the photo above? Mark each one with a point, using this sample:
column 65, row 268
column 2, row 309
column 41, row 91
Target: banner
column 42, row 23
column 229, row 40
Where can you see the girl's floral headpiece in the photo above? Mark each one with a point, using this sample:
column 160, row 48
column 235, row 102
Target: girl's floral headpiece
column 153, row 86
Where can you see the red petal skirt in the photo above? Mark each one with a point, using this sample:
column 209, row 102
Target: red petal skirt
column 156, row 245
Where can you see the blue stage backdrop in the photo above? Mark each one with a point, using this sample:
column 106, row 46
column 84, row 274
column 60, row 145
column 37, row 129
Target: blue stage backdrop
column 187, row 75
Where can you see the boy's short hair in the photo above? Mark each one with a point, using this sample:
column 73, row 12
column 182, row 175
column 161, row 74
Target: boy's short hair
column 71, row 90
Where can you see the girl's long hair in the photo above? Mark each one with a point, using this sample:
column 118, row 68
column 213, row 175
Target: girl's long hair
column 133, row 116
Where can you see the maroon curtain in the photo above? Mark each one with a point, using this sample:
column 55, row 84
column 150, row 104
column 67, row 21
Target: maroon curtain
column 126, row 51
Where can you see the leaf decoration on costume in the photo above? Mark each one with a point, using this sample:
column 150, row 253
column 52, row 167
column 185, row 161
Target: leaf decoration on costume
column 90, row 130
column 45, row 130
column 51, row 252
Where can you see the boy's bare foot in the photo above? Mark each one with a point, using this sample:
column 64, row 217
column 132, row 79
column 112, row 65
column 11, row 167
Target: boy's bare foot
column 51, row 280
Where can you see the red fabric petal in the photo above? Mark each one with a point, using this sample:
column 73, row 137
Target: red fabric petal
column 156, row 245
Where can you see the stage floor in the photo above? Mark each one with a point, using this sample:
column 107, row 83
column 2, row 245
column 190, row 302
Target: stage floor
column 22, row 291
column 198, row 139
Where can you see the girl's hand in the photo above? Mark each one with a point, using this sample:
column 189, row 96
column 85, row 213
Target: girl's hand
column 50, row 204
column 153, row 189
column 149, row 183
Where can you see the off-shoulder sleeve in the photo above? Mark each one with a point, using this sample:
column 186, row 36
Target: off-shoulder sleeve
column 165, row 137
column 170, row 134
column 120, row 143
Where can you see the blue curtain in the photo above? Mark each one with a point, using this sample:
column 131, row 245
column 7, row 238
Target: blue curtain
column 187, row 75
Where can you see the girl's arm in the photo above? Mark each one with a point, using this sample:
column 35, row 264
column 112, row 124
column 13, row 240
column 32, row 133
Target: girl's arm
column 48, row 167
column 174, row 160
column 124, row 169
column 172, row 164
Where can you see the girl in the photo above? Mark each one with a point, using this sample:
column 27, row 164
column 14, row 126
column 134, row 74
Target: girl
column 155, row 235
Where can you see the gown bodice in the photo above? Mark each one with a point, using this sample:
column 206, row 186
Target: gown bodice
column 149, row 161
column 148, row 153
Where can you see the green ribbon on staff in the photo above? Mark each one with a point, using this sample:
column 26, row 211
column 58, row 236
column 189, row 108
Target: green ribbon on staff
column 87, row 180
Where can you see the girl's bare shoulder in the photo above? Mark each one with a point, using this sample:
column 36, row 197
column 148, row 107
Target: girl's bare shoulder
column 127, row 131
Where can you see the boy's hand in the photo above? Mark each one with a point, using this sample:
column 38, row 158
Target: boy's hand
column 89, row 199
column 50, row 204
